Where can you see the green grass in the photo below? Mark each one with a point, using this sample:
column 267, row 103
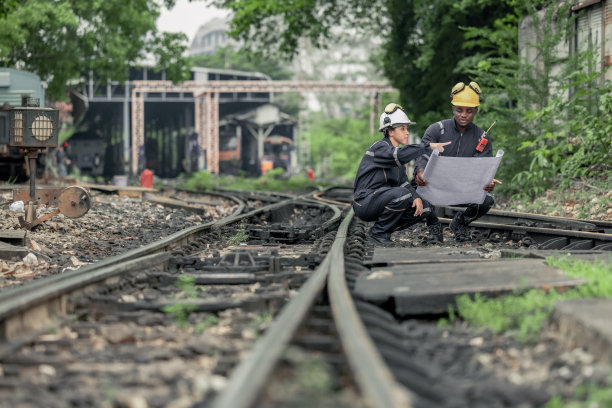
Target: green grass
column 204, row 181
column 586, row 396
column 523, row 312
column 239, row 237
column 181, row 310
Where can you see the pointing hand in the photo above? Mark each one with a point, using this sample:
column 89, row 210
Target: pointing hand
column 439, row 146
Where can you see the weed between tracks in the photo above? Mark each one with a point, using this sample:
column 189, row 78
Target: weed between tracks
column 238, row 238
column 181, row 310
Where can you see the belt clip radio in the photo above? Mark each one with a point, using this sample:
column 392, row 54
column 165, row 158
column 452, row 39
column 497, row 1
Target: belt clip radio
column 481, row 144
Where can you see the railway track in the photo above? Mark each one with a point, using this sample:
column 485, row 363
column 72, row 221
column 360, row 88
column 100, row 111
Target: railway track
column 192, row 321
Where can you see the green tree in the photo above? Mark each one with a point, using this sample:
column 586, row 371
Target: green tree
column 7, row 6
column 422, row 52
column 338, row 144
column 552, row 115
column 64, row 39
column 228, row 58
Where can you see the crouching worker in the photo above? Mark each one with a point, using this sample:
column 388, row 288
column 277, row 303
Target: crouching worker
column 382, row 191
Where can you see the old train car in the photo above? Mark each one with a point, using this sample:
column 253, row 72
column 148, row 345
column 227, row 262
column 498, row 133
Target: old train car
column 14, row 84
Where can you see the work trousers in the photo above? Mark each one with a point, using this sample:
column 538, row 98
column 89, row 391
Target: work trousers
column 475, row 211
column 392, row 211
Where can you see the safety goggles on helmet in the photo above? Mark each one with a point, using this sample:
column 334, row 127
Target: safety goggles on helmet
column 392, row 107
column 393, row 116
column 466, row 95
column 460, row 86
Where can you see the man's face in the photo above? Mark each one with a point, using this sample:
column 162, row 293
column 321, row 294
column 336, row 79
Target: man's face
column 464, row 116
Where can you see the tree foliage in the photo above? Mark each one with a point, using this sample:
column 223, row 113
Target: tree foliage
column 63, row 39
column 228, row 58
column 552, row 115
column 338, row 144
column 269, row 25
column 423, row 49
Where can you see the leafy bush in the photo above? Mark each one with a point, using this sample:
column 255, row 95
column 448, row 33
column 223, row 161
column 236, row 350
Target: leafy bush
column 273, row 181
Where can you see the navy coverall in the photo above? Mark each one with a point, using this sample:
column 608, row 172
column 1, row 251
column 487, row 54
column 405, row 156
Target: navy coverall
column 463, row 145
column 382, row 191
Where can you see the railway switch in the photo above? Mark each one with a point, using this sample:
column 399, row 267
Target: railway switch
column 72, row 202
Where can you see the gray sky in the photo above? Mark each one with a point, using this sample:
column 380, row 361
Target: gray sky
column 187, row 17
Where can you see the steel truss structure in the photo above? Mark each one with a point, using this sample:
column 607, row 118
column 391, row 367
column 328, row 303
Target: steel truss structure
column 206, row 100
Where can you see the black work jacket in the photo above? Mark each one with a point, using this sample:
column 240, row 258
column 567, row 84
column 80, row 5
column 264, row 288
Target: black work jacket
column 463, row 144
column 382, row 168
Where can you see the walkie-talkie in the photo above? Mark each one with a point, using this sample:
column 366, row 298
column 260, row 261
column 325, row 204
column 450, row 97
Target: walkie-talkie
column 483, row 141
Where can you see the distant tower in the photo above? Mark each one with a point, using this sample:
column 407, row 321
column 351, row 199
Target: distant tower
column 210, row 37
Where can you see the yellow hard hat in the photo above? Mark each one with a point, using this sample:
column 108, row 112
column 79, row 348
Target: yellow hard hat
column 466, row 95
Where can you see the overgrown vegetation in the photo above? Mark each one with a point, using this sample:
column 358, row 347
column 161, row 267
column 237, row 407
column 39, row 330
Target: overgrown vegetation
column 239, row 237
column 553, row 115
column 523, row 313
column 62, row 40
column 273, row 181
column 182, row 309
column 338, row 144
column 587, row 199
column 586, row 396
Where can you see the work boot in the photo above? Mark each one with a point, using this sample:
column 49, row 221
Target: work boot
column 435, row 234
column 379, row 240
column 457, row 227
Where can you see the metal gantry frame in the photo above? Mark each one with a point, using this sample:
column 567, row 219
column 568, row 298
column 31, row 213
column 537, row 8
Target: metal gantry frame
column 206, row 96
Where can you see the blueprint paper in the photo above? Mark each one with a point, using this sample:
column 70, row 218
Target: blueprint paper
column 458, row 180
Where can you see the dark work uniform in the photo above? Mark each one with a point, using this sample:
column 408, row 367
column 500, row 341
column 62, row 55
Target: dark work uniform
column 382, row 191
column 463, row 145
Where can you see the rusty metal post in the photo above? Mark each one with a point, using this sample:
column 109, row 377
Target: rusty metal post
column 214, row 164
column 137, row 127
column 30, row 208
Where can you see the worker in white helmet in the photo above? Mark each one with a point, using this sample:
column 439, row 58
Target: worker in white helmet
column 468, row 140
column 382, row 192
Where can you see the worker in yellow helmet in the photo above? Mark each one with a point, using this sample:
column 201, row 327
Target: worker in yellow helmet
column 468, row 140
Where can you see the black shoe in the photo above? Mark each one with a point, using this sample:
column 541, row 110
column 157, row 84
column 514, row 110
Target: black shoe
column 379, row 240
column 462, row 234
column 435, row 234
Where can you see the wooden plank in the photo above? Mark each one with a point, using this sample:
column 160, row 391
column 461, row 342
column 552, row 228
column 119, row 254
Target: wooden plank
column 8, row 251
column 130, row 193
column 393, row 256
column 14, row 237
column 173, row 203
column 431, row 288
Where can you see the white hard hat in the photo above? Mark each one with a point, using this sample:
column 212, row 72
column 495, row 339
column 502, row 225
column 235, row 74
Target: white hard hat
column 393, row 116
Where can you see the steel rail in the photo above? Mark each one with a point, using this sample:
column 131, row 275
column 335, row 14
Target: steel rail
column 371, row 373
column 250, row 376
column 495, row 215
column 34, row 295
column 597, row 236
